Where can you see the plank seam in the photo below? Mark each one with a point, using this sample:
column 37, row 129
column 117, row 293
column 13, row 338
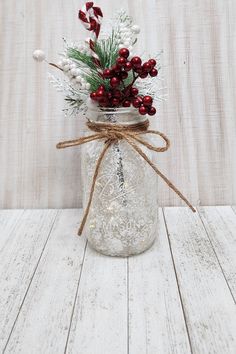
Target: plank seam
column 215, row 253
column 75, row 300
column 232, row 207
column 30, row 282
column 177, row 282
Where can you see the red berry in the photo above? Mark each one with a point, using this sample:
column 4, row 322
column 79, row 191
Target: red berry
column 152, row 111
column 134, row 91
column 101, row 87
column 115, row 101
column 138, row 69
column 116, row 94
column 100, row 94
column 136, row 61
column 116, row 68
column 147, row 67
column 126, row 103
column 136, row 103
column 140, row 99
column 153, row 72
column 104, row 102
column 120, row 61
column 107, row 73
column 142, row 110
column 114, row 81
column 128, row 66
column 147, row 100
column 93, row 95
column 152, row 62
column 143, row 75
column 124, row 52
column 109, row 95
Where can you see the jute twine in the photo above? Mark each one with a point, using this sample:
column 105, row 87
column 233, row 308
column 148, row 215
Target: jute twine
column 132, row 135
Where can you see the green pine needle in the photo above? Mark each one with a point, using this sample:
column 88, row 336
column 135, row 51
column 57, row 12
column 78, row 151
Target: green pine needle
column 107, row 51
column 75, row 54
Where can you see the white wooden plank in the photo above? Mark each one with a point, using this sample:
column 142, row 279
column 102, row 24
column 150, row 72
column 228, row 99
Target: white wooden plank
column 19, row 258
column 220, row 223
column 156, row 320
column 209, row 307
column 8, row 222
column 44, row 320
column 99, row 323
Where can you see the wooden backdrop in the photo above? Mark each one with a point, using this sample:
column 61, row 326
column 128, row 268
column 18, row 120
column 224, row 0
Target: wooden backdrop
column 199, row 42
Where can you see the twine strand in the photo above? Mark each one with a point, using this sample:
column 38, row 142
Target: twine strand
column 131, row 134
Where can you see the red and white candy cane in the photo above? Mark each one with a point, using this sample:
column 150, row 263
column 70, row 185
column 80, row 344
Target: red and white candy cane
column 91, row 18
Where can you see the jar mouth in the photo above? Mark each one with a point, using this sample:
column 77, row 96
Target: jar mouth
column 113, row 110
column 119, row 115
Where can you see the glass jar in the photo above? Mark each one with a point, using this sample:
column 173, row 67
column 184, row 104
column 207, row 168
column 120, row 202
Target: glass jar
column 123, row 216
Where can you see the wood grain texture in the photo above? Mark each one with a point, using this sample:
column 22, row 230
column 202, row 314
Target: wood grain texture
column 156, row 320
column 220, row 224
column 208, row 304
column 57, row 296
column 18, row 261
column 99, row 323
column 45, row 316
column 199, row 62
column 9, row 220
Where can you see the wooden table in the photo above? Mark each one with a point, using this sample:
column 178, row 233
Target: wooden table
column 58, row 295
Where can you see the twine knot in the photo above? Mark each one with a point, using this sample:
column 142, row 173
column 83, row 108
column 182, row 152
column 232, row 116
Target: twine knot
column 132, row 135
column 112, row 135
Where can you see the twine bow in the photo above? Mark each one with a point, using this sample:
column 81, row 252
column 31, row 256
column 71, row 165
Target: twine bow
column 131, row 134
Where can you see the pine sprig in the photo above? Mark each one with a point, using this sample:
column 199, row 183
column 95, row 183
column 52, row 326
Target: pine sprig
column 86, row 59
column 107, row 50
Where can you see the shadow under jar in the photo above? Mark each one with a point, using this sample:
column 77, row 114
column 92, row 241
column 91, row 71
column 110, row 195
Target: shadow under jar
column 123, row 216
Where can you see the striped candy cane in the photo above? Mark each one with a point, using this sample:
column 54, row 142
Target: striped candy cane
column 91, row 18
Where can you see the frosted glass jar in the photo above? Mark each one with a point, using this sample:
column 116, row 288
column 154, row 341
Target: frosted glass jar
column 123, row 217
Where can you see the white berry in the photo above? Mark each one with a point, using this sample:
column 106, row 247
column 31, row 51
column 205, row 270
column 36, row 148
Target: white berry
column 68, row 73
column 39, row 55
column 127, row 42
column 74, row 72
column 135, row 29
column 87, row 86
column 66, row 67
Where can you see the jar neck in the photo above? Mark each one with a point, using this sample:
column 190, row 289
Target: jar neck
column 125, row 116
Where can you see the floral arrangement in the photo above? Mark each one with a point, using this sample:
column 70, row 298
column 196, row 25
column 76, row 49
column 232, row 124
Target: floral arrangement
column 105, row 72
column 104, row 69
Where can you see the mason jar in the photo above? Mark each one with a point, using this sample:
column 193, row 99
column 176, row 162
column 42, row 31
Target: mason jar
column 123, row 216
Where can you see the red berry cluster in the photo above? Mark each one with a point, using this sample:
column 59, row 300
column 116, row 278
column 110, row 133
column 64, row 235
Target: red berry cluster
column 127, row 95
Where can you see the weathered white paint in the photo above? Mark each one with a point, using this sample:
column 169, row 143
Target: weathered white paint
column 220, row 223
column 18, row 260
column 8, row 223
column 199, row 64
column 156, row 320
column 44, row 320
column 99, row 321
column 208, row 304
column 53, row 299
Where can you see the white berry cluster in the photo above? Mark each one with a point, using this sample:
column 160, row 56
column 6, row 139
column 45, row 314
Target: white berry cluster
column 127, row 36
column 71, row 70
